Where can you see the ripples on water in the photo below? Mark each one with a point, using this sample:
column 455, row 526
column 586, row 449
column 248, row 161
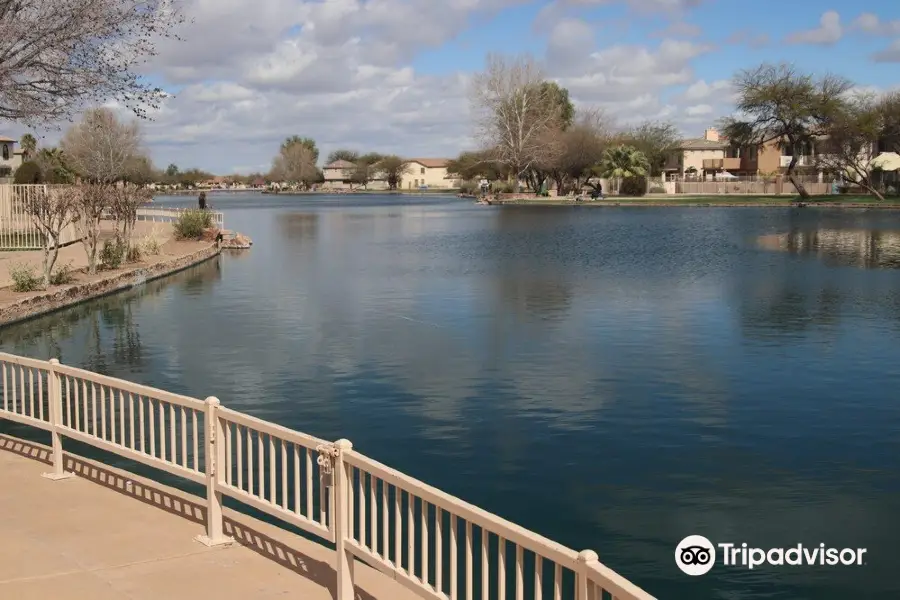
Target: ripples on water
column 612, row 378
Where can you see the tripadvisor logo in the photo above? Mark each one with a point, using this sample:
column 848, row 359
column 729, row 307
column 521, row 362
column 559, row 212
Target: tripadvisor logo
column 695, row 555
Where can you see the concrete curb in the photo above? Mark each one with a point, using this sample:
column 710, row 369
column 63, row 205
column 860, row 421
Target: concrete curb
column 67, row 296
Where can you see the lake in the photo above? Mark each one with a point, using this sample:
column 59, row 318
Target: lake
column 612, row 378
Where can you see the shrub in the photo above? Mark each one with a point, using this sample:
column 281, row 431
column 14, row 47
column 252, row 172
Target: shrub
column 633, row 186
column 28, row 172
column 468, row 187
column 25, row 278
column 112, row 254
column 133, row 255
column 658, row 189
column 191, row 223
column 63, row 275
column 507, row 188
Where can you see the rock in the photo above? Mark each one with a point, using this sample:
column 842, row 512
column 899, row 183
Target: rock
column 210, row 234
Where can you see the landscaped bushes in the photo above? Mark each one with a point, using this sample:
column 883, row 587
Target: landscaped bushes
column 28, row 172
column 191, row 223
column 633, row 186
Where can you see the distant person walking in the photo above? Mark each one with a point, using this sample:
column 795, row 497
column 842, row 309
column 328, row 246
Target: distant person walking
column 202, row 200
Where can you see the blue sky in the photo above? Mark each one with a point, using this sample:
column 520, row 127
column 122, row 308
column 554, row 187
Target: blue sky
column 393, row 75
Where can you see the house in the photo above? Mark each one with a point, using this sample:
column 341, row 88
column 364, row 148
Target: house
column 427, row 173
column 338, row 174
column 10, row 157
column 713, row 154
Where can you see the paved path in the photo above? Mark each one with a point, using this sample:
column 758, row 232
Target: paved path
column 97, row 537
column 74, row 254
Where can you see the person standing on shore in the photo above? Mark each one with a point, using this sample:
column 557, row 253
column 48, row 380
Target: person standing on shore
column 202, row 200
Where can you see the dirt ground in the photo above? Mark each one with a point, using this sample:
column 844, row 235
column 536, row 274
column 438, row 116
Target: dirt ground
column 75, row 256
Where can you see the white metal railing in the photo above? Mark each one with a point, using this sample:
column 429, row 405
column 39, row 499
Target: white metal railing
column 18, row 229
column 167, row 215
column 433, row 543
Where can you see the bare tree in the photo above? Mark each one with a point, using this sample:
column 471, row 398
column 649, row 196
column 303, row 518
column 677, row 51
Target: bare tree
column 581, row 149
column 52, row 209
column 851, row 143
column 776, row 103
column 516, row 115
column 91, row 201
column 124, row 202
column 296, row 162
column 58, row 55
column 655, row 139
column 100, row 148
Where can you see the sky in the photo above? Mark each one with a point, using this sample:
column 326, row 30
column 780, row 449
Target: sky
column 393, row 76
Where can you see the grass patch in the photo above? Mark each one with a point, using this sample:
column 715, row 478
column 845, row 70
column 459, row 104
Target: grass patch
column 191, row 223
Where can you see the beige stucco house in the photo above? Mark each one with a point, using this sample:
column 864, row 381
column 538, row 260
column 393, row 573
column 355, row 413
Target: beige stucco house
column 10, row 156
column 428, row 173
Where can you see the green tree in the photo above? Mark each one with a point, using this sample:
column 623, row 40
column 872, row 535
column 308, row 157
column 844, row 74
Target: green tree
column 784, row 106
column 476, row 165
column 620, row 162
column 851, row 141
column 393, row 168
column 889, row 111
column 343, row 154
column 655, row 139
column 29, row 146
column 560, row 103
column 306, row 142
column 172, row 171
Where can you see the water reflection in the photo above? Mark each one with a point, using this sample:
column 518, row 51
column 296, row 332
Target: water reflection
column 864, row 248
column 299, row 227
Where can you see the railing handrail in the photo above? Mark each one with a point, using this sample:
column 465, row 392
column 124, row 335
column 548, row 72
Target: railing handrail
column 163, row 430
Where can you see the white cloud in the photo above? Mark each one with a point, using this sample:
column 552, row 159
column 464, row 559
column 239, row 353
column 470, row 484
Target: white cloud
column 830, row 31
column 891, row 54
column 698, row 110
column 871, row 23
column 700, row 90
column 680, row 29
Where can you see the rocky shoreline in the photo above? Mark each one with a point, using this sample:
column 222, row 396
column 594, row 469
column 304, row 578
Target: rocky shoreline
column 31, row 305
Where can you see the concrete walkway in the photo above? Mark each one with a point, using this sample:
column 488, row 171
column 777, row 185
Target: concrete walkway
column 74, row 254
column 107, row 535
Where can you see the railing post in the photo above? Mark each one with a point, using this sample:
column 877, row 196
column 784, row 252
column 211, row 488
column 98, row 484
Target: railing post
column 214, row 460
column 584, row 590
column 54, row 408
column 340, row 508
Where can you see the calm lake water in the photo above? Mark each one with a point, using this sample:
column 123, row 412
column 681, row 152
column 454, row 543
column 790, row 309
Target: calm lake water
column 613, row 378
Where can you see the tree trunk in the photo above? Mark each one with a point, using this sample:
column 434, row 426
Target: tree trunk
column 792, row 176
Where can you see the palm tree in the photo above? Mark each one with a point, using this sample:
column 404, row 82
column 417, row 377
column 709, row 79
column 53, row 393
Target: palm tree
column 621, row 162
column 29, row 146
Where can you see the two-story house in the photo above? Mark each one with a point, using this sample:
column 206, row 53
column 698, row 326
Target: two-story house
column 10, row 156
column 427, row 173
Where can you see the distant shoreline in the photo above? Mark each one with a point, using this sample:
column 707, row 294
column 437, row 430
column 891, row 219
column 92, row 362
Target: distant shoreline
column 892, row 203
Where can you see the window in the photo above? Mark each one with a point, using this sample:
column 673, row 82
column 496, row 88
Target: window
column 5, row 151
column 422, row 171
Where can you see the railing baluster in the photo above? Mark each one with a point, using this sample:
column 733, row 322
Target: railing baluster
column 520, row 573
column 151, row 413
column 162, row 428
column 309, row 485
column 351, row 511
column 385, row 522
column 21, row 390
column 112, row 415
column 423, row 519
column 229, row 452
column 5, row 385
column 438, row 550
column 31, row 391
column 557, row 582
column 172, row 443
column 469, row 565
column 239, row 432
column 261, row 465
column 144, row 431
column 398, row 529
column 84, row 406
column 284, row 479
column 362, row 506
column 68, row 404
column 103, row 431
column 41, row 395
column 250, row 464
column 411, row 534
column 76, row 400
column 131, row 419
column 454, row 558
column 538, row 577
column 297, row 499
column 196, row 443
column 94, row 408
column 273, row 489
column 121, row 409
column 485, row 567
column 373, row 513
column 501, row 568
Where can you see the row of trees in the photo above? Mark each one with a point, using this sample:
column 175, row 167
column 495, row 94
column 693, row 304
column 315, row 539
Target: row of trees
column 530, row 131
column 297, row 158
